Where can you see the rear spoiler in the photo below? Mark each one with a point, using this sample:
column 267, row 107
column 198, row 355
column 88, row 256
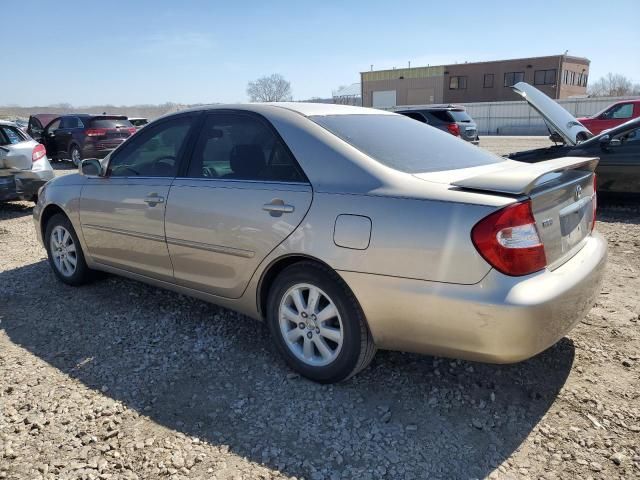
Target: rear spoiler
column 522, row 178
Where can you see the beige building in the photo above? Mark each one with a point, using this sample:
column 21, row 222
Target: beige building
column 559, row 76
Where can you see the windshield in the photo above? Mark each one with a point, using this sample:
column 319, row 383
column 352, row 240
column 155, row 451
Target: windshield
column 403, row 144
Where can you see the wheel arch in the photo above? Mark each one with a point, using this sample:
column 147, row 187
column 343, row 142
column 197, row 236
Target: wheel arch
column 46, row 215
column 274, row 269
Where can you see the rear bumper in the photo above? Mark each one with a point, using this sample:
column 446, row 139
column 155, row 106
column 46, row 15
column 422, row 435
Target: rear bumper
column 501, row 319
column 22, row 183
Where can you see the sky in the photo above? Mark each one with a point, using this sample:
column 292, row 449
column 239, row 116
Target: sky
column 156, row 51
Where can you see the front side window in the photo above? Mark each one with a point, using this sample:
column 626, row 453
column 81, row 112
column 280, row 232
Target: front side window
column 53, row 126
column 404, row 144
column 235, row 146
column 457, row 83
column 155, row 153
column 511, row 78
column 620, row 111
column 488, row 80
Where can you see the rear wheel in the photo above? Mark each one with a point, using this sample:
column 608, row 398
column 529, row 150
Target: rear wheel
column 65, row 253
column 317, row 324
column 75, row 154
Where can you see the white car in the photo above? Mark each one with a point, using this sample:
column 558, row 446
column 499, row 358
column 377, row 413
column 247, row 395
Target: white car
column 24, row 166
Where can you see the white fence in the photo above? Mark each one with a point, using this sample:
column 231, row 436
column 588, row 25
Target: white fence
column 518, row 118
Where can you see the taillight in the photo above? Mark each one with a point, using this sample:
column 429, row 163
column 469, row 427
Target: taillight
column 508, row 239
column 594, row 202
column 454, row 129
column 38, row 152
column 132, row 130
column 96, row 132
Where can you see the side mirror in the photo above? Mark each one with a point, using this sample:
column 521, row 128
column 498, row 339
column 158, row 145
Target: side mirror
column 91, row 167
column 605, row 139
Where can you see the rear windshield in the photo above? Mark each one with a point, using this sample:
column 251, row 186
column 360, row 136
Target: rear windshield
column 460, row 115
column 110, row 123
column 403, row 144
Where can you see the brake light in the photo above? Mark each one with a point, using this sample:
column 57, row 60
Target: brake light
column 594, row 202
column 132, row 130
column 454, row 129
column 38, row 152
column 96, row 132
column 508, row 240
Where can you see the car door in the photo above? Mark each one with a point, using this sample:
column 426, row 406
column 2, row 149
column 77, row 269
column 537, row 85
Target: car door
column 63, row 135
column 49, row 138
column 619, row 167
column 122, row 213
column 242, row 195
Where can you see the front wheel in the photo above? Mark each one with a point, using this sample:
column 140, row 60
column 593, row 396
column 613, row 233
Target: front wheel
column 317, row 324
column 65, row 253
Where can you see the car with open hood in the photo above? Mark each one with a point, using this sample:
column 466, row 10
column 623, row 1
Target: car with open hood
column 346, row 229
column 618, row 149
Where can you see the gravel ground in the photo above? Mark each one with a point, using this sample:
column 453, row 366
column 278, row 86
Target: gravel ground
column 119, row 380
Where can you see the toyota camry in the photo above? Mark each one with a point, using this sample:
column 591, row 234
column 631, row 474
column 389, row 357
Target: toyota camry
column 346, row 229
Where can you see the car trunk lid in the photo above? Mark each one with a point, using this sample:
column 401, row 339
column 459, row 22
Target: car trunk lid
column 562, row 193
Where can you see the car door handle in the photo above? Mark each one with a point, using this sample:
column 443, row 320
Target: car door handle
column 153, row 199
column 277, row 207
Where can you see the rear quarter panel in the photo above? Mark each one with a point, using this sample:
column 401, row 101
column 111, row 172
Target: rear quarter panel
column 421, row 239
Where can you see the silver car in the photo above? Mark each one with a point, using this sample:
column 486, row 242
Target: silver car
column 346, row 229
column 24, row 166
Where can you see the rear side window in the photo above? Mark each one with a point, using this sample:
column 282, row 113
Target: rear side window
column 242, row 147
column 404, row 144
column 11, row 136
column 415, row 115
column 441, row 115
column 110, row 123
column 460, row 115
column 71, row 122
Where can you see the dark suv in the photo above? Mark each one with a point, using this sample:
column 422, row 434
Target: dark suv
column 79, row 136
column 450, row 118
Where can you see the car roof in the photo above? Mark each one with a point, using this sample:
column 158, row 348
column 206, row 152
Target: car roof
column 420, row 108
column 7, row 123
column 303, row 108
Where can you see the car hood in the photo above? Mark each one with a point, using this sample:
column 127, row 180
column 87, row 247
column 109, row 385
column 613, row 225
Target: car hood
column 565, row 124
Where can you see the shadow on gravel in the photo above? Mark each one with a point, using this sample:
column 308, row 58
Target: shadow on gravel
column 210, row 373
column 16, row 209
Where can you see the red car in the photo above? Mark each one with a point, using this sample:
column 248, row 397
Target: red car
column 612, row 116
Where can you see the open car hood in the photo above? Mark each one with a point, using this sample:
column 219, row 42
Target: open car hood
column 565, row 124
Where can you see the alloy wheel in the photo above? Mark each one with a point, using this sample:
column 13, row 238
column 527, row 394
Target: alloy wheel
column 310, row 325
column 63, row 251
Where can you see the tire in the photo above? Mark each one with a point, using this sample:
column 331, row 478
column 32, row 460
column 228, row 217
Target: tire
column 75, row 155
column 61, row 247
column 341, row 344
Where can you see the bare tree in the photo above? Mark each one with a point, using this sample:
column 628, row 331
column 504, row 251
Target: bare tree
column 613, row 85
column 273, row 88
